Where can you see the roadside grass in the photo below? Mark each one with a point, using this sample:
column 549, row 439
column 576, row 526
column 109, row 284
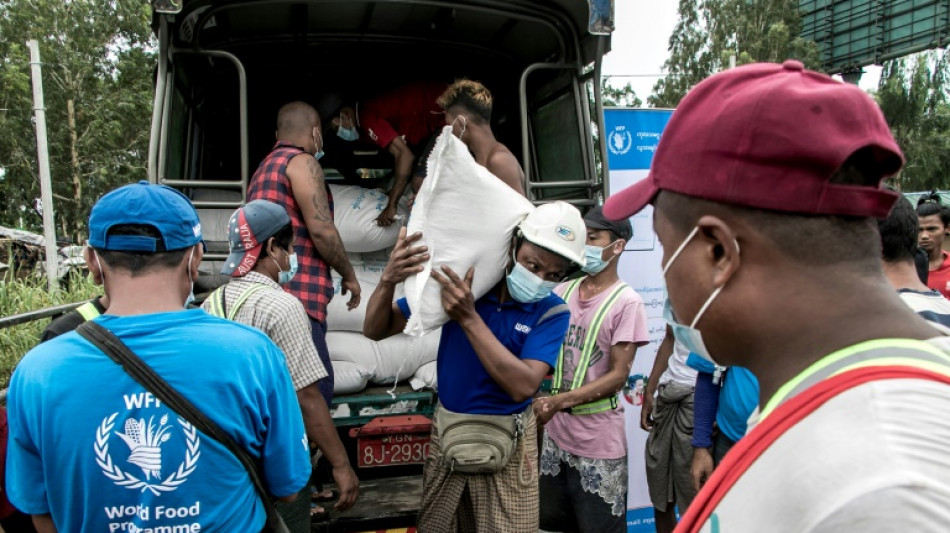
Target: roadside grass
column 31, row 294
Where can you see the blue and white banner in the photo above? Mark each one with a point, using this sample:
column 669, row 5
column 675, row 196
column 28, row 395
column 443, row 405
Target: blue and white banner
column 632, row 137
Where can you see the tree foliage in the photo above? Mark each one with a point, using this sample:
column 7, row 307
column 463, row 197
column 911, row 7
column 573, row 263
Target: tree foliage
column 710, row 31
column 98, row 59
column 913, row 95
column 619, row 96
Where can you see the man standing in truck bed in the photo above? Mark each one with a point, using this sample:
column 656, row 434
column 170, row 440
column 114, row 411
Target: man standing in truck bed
column 400, row 121
column 291, row 177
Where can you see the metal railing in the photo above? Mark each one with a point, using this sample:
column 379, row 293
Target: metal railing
column 30, row 316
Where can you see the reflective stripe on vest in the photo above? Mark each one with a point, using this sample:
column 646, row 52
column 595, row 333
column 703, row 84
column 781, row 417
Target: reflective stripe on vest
column 218, row 307
column 590, row 344
column 88, row 311
column 881, row 352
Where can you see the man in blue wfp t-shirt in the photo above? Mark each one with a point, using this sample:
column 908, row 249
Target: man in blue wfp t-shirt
column 91, row 450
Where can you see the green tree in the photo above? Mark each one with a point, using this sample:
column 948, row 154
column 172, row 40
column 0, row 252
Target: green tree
column 98, row 58
column 913, row 94
column 619, row 96
column 710, row 31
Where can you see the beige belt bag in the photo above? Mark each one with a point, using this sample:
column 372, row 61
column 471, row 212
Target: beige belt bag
column 477, row 444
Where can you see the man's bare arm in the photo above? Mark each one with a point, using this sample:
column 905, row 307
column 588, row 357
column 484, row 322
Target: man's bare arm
column 306, row 180
column 403, row 168
column 322, row 432
column 503, row 164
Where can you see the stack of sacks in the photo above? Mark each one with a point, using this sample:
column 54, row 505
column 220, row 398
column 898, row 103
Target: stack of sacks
column 357, row 360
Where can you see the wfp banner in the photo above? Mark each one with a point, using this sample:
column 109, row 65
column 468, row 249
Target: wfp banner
column 632, row 137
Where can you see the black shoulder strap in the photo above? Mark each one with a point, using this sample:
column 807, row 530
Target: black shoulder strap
column 106, row 341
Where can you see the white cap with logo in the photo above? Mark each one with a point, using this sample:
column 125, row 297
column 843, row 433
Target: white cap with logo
column 557, row 227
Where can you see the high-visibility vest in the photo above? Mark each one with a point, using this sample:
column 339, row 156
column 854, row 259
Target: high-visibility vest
column 804, row 394
column 218, row 307
column 590, row 345
column 88, row 311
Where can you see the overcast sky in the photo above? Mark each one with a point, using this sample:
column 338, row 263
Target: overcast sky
column 639, row 45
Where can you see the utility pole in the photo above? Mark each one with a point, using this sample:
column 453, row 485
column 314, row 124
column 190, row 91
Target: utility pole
column 42, row 159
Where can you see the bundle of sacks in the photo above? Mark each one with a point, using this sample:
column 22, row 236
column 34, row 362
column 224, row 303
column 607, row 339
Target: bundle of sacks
column 357, row 360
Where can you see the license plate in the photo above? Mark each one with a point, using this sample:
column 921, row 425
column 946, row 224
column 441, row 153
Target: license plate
column 388, row 450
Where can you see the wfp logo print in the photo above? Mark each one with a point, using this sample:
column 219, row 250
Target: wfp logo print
column 620, row 141
column 145, row 440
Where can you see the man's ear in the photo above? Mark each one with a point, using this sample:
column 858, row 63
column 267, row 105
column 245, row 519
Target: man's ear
column 721, row 247
column 92, row 265
column 267, row 249
column 196, row 262
column 619, row 246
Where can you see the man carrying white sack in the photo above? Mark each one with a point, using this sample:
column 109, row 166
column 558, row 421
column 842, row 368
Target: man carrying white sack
column 480, row 474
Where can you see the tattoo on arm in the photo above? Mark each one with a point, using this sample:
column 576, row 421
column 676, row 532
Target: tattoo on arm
column 336, row 257
column 321, row 203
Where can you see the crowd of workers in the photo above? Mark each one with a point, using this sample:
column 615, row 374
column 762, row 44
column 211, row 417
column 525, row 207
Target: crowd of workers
column 800, row 335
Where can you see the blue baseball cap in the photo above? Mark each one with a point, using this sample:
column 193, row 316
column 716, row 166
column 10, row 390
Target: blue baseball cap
column 249, row 228
column 167, row 210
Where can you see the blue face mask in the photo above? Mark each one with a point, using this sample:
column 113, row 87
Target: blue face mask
column 526, row 287
column 319, row 153
column 689, row 336
column 284, row 276
column 594, row 262
column 347, row 134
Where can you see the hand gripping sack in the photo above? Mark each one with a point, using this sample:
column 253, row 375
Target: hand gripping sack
column 466, row 216
column 355, row 210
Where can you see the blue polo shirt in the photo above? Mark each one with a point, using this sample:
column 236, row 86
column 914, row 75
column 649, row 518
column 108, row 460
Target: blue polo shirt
column 529, row 331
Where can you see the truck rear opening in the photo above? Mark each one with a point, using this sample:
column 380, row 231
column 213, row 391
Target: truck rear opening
column 226, row 67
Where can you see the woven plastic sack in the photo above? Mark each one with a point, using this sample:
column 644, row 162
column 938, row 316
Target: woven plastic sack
column 348, row 377
column 425, row 377
column 355, row 210
column 466, row 216
column 369, row 270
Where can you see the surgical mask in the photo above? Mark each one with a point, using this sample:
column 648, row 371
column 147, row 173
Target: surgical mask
column 284, row 276
column 464, row 124
column 689, row 336
column 191, row 293
column 526, row 287
column 347, row 134
column 101, row 272
column 319, row 153
column 594, row 262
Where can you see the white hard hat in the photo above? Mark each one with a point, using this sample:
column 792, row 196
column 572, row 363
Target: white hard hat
column 557, row 227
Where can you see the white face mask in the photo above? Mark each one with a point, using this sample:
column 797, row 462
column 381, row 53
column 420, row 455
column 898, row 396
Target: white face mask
column 464, row 121
column 191, row 294
column 689, row 336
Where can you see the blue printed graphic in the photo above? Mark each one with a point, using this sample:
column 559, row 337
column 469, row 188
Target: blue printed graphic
column 632, row 136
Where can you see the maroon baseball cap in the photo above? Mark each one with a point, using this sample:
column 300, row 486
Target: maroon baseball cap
column 769, row 136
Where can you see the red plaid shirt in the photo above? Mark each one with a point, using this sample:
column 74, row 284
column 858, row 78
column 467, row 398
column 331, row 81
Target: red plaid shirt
column 312, row 284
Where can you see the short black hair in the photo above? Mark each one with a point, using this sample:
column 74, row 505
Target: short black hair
column 138, row 263
column 285, row 236
column 930, row 204
column 899, row 232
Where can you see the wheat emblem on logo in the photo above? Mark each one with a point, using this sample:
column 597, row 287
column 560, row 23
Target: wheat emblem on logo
column 145, row 440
